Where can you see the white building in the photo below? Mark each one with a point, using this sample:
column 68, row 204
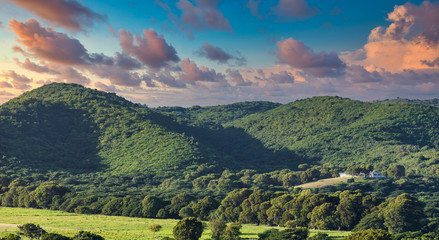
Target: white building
column 374, row 174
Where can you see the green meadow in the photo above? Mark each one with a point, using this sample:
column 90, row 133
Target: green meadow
column 110, row 227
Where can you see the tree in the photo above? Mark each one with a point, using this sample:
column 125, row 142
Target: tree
column 396, row 171
column 288, row 234
column 217, row 226
column 83, row 235
column 404, row 213
column 188, row 229
column 31, row 230
column 369, row 234
column 231, row 205
column 350, row 208
column 203, row 208
column 154, row 228
column 323, row 217
column 151, row 205
column 232, row 232
column 54, row 236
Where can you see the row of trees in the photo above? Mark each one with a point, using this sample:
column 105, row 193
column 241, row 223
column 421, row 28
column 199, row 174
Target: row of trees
column 339, row 211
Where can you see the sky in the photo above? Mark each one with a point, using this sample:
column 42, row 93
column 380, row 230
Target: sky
column 211, row 52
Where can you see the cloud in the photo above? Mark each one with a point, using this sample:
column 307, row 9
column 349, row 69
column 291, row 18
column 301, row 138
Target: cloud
column 297, row 55
column 411, row 41
column 169, row 80
column 282, row 77
column 18, row 81
column 217, row 54
column 45, row 43
column 288, row 9
column 191, row 73
column 126, row 62
column 6, row 94
column 4, row 84
column 236, row 77
column 253, row 5
column 121, row 77
column 151, row 49
column 1, row 24
column 433, row 63
column 205, row 14
column 69, row 14
column 71, row 75
column 27, row 64
column 103, row 87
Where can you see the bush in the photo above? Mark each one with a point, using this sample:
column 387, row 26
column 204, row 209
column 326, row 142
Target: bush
column 188, row 229
column 54, row 236
column 83, row 235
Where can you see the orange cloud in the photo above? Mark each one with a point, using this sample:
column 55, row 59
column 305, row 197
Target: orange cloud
column 411, row 41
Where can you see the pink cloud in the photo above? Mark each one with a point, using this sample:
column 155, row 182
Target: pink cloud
column 287, row 9
column 69, row 14
column 27, row 64
column 18, row 81
column 205, row 14
column 151, row 49
column 297, row 55
column 45, row 43
column 191, row 73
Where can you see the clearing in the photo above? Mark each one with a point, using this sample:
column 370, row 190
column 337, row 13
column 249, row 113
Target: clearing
column 324, row 182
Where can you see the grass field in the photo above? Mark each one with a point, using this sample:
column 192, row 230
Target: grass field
column 324, row 182
column 110, row 227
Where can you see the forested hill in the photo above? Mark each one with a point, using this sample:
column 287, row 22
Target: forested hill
column 81, row 136
column 343, row 131
column 70, row 128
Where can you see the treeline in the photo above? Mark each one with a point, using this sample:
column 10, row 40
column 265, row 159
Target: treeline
column 345, row 210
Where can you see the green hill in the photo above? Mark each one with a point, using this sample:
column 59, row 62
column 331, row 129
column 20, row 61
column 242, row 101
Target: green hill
column 343, row 131
column 96, row 141
column 62, row 127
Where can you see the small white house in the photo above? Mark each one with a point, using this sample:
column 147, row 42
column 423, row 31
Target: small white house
column 374, row 174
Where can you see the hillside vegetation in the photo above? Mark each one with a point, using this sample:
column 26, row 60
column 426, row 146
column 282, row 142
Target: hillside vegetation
column 99, row 142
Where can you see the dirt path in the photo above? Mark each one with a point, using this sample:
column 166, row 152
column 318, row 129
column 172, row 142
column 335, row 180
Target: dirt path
column 8, row 225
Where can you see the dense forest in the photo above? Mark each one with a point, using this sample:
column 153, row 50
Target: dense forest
column 67, row 147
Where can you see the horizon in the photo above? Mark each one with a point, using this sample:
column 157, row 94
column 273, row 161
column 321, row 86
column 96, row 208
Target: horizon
column 216, row 52
column 189, row 106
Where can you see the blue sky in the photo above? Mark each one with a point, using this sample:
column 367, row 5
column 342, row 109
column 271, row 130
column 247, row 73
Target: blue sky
column 207, row 52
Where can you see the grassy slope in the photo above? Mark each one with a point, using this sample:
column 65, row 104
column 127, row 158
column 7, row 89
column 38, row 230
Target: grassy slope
column 110, row 227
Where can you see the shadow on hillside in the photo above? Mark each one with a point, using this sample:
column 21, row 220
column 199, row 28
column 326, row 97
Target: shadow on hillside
column 233, row 148
column 51, row 136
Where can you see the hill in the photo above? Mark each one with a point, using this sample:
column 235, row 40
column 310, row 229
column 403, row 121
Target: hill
column 99, row 142
column 343, row 131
